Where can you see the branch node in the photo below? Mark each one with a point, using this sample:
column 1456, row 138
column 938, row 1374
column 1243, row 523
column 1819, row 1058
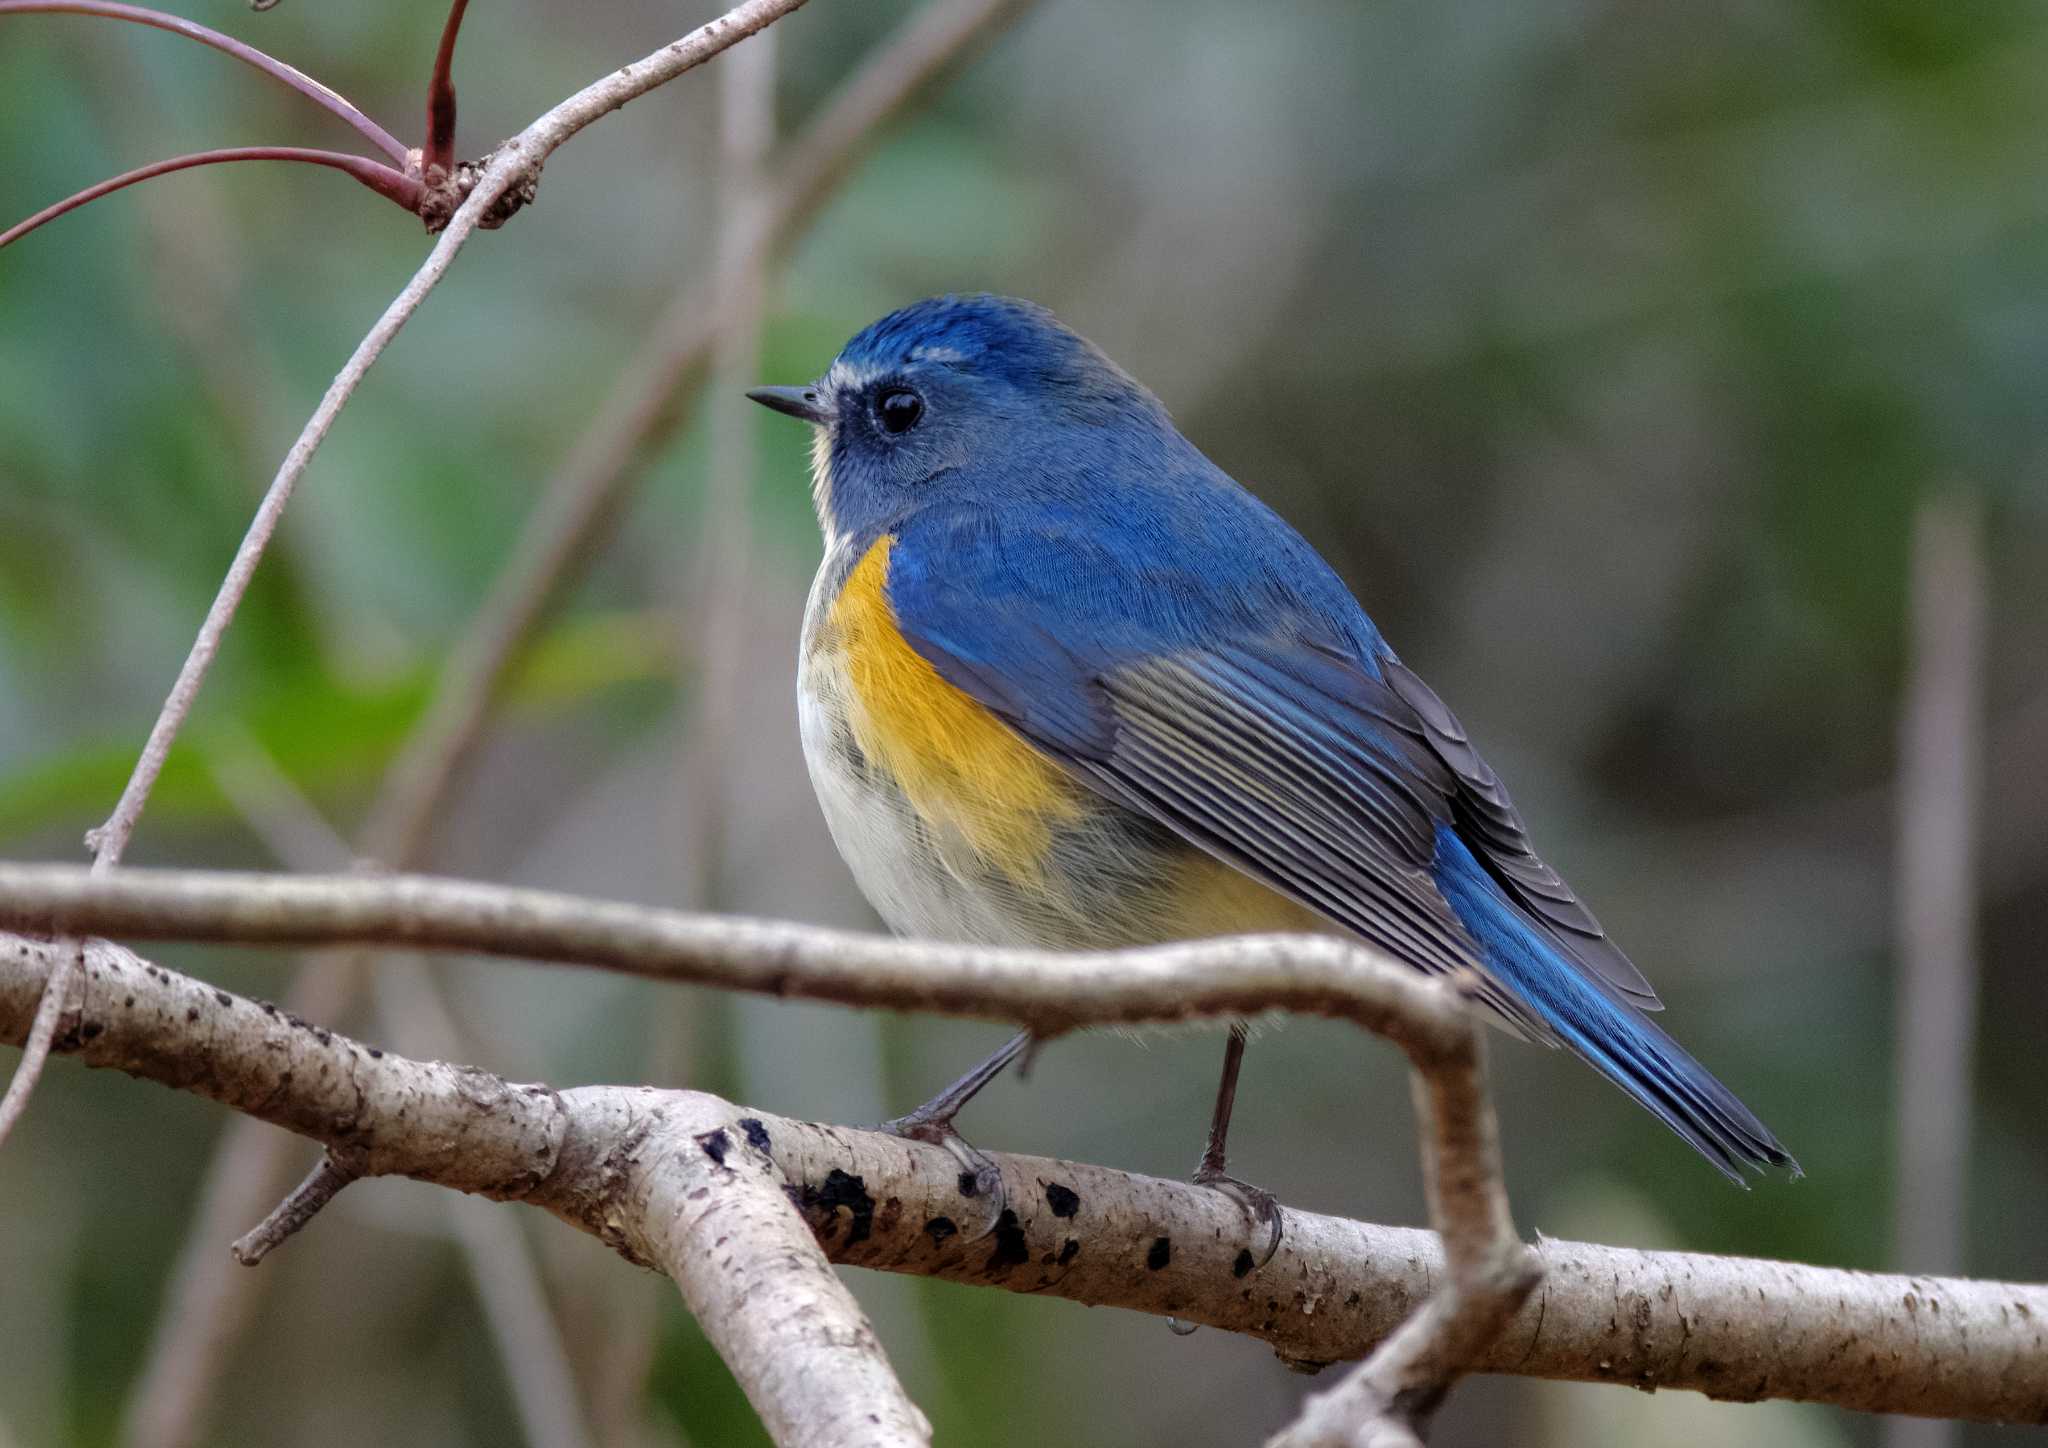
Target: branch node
column 338, row 1167
column 443, row 191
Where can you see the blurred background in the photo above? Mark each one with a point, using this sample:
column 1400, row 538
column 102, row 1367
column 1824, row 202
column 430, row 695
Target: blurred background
column 1611, row 352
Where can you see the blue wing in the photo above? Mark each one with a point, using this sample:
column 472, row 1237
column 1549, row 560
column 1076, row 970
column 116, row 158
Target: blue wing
column 1261, row 717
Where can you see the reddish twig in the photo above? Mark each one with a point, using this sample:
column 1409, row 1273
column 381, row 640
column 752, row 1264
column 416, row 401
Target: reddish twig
column 386, row 181
column 298, row 80
column 438, row 154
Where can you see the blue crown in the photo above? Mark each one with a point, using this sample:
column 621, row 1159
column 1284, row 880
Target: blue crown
column 1001, row 339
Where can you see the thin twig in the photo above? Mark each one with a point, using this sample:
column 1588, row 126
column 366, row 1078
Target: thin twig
column 1387, row 1401
column 1050, row 991
column 335, row 1170
column 393, row 185
column 321, row 95
column 35, row 1050
column 438, row 153
column 1738, row 1328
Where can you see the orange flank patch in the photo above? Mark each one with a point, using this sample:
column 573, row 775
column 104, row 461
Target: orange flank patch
column 962, row 769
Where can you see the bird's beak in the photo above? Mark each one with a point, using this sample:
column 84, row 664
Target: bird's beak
column 803, row 402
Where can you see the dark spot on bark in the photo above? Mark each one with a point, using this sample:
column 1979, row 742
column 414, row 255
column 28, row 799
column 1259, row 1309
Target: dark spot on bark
column 324, row 1036
column 1353, row 1300
column 1160, row 1255
column 1010, row 1250
column 842, row 1189
column 1064, row 1201
column 757, row 1134
column 126, row 1004
column 375, row 1054
column 223, row 997
column 1069, row 1252
column 939, row 1228
column 1243, row 1264
column 88, row 1029
column 1709, row 1367
column 715, row 1144
column 269, row 1010
column 968, row 1185
column 191, row 1013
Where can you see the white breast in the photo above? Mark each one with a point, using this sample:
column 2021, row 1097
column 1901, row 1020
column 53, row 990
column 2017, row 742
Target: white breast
column 920, row 885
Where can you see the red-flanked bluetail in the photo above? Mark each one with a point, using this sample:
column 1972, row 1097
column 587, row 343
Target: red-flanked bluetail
column 1064, row 683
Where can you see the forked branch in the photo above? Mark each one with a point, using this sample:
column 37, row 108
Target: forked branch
column 1731, row 1327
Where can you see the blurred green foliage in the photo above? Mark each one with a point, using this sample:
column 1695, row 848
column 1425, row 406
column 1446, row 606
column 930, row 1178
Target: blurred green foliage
column 1607, row 350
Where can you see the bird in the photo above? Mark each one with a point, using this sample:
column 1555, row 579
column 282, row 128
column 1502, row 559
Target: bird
column 1064, row 683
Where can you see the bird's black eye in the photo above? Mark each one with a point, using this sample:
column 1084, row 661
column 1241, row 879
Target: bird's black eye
column 899, row 409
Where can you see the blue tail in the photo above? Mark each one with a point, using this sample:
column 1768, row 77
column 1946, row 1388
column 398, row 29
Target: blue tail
column 1610, row 1035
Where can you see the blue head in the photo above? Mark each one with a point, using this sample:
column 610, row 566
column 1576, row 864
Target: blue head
column 979, row 394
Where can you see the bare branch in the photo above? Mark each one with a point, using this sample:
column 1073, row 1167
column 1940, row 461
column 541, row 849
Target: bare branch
column 337, row 1168
column 1387, row 1401
column 1050, row 991
column 515, row 165
column 587, row 491
column 36, row 1046
column 321, row 95
column 1734, row 1328
column 511, row 173
column 393, row 185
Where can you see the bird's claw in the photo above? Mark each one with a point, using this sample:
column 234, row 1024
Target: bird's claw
column 1261, row 1208
column 980, row 1178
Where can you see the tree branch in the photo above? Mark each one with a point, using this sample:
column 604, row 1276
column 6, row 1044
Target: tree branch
column 712, row 1210
column 1052, row 992
column 589, row 487
column 1730, row 1327
column 386, row 181
column 510, row 176
column 323, row 96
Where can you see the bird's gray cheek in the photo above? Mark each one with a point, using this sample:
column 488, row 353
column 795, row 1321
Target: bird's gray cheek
column 924, row 465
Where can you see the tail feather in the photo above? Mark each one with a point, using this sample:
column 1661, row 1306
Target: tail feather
column 1610, row 1035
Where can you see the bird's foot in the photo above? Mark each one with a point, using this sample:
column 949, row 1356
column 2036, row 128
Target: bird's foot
column 1260, row 1207
column 980, row 1179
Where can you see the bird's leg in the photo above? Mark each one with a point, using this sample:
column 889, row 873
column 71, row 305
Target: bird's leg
column 933, row 1122
column 1258, row 1203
